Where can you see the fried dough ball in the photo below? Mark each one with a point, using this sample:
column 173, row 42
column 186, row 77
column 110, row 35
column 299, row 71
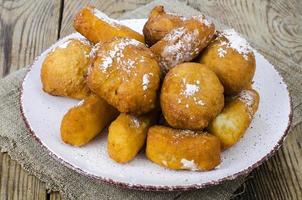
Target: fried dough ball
column 230, row 125
column 159, row 24
column 65, row 68
column 182, row 149
column 184, row 43
column 232, row 59
column 86, row 120
column 127, row 135
column 98, row 27
column 191, row 96
column 126, row 75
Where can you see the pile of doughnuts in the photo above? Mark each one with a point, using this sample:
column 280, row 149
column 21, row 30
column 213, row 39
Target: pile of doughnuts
column 182, row 91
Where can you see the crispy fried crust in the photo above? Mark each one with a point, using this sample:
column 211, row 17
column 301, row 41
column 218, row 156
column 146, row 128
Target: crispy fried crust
column 83, row 122
column 191, row 96
column 234, row 69
column 182, row 149
column 97, row 27
column 127, row 135
column 159, row 24
column 64, row 70
column 230, row 125
column 184, row 43
column 126, row 75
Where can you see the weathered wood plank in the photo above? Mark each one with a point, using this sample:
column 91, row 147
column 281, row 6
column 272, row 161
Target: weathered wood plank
column 276, row 25
column 16, row 183
column 55, row 196
column 26, row 28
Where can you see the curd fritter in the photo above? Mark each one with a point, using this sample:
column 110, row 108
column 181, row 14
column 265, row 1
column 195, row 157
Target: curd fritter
column 64, row 69
column 126, row 74
column 159, row 24
column 98, row 27
column 86, row 120
column 191, row 96
column 232, row 59
column 127, row 135
column 184, row 43
column 182, row 149
column 230, row 125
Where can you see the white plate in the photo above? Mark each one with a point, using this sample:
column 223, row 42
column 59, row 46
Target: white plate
column 43, row 113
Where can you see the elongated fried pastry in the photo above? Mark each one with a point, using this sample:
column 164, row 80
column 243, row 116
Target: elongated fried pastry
column 127, row 135
column 98, row 27
column 86, row 120
column 230, row 125
column 182, row 149
column 64, row 69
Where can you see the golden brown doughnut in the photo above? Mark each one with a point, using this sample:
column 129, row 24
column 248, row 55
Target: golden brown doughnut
column 126, row 75
column 191, row 96
column 232, row 59
column 65, row 68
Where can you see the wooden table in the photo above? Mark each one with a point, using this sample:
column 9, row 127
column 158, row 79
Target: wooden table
column 27, row 27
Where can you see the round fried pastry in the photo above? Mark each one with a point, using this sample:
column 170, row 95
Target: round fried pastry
column 182, row 149
column 191, row 96
column 126, row 74
column 64, row 69
column 232, row 59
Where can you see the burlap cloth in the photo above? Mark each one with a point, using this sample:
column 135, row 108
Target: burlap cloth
column 17, row 141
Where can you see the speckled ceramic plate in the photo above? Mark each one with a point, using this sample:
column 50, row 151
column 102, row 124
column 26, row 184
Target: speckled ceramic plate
column 43, row 113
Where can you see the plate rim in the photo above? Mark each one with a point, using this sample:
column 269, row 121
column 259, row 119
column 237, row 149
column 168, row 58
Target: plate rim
column 152, row 187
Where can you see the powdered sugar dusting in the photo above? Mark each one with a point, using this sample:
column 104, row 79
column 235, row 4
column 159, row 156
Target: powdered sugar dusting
column 135, row 121
column 182, row 45
column 80, row 103
column 203, row 19
column 190, row 89
column 102, row 16
column 146, row 80
column 117, row 53
column 221, row 52
column 237, row 42
column 188, row 164
column 247, row 97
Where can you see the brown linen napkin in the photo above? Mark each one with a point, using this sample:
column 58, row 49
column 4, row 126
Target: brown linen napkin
column 17, row 141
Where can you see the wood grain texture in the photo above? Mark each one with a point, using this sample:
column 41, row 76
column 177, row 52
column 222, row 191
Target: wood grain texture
column 276, row 25
column 16, row 183
column 28, row 27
